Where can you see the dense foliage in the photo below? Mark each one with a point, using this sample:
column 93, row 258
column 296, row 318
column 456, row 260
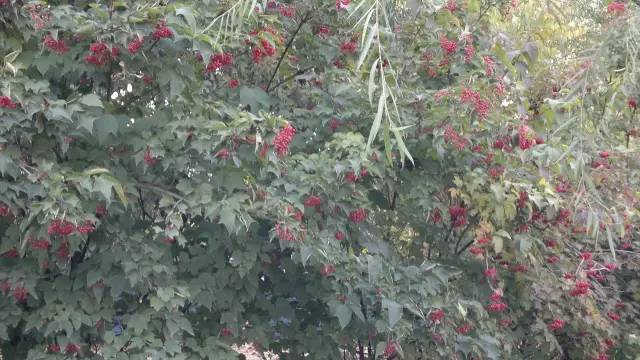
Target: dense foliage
column 364, row 179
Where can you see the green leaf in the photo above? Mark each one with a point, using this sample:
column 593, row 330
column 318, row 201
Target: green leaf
column 497, row 244
column 91, row 100
column 187, row 13
column 105, row 126
column 138, row 322
column 105, row 180
column 343, row 312
column 93, row 276
column 374, row 268
column 86, row 122
column 256, row 98
column 395, row 312
column 228, row 218
column 103, row 186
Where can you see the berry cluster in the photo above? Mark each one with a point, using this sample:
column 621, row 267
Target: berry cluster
column 149, row 159
column 451, row 5
column 581, row 288
column 61, row 227
column 616, row 7
column 556, row 324
column 526, row 137
column 58, row 46
column 489, row 65
column 464, row 329
column 458, row 215
column 7, row 103
column 312, row 201
column 359, row 215
column 40, row 244
column 452, row 136
column 448, row 46
column 99, row 54
column 323, row 31
column 436, row 315
column 284, row 233
column 4, row 210
column 217, row 61
column 496, row 304
column 342, row 4
column 348, row 47
column 161, row 31
column 135, row 45
column 327, row 269
column 283, row 140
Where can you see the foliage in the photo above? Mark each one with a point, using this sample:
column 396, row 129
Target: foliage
column 361, row 180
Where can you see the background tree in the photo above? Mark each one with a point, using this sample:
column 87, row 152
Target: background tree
column 323, row 180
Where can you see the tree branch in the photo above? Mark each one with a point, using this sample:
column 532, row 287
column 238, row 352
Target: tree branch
column 304, row 20
column 299, row 72
column 465, row 247
column 464, row 232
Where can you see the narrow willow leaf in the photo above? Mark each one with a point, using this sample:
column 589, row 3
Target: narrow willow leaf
column 377, row 120
column 365, row 26
column 612, row 245
column 395, row 105
column 403, row 147
column 355, row 10
column 367, row 46
column 252, row 8
column 372, row 80
column 387, row 142
column 95, row 171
